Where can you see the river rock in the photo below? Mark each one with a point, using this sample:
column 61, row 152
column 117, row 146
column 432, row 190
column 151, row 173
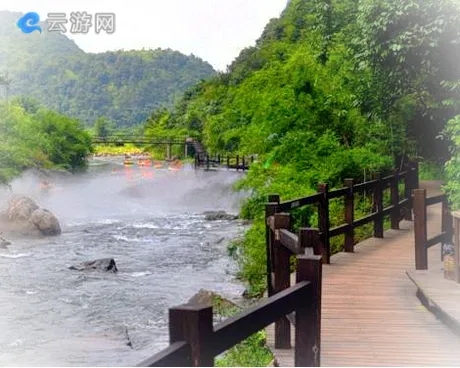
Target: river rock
column 46, row 222
column 220, row 240
column 219, row 215
column 4, row 243
column 20, row 208
column 221, row 307
column 210, row 298
column 104, row 264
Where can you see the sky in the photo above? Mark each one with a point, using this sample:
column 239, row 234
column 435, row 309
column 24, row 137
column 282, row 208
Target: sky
column 214, row 30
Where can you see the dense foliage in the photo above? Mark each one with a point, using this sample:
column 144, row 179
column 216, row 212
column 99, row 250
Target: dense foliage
column 332, row 89
column 124, row 86
column 34, row 137
column 453, row 165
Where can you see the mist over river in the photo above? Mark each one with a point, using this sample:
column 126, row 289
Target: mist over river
column 151, row 222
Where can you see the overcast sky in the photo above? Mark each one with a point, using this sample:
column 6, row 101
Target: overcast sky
column 215, row 30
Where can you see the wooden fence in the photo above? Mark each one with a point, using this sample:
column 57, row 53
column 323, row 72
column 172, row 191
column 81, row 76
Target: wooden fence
column 281, row 243
column 456, row 217
column 238, row 163
column 194, row 341
column 422, row 243
column 278, row 219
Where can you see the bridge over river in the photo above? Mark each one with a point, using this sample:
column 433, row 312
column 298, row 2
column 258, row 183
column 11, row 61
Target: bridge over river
column 191, row 146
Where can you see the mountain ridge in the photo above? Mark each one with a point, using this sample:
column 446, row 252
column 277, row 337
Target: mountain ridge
column 123, row 85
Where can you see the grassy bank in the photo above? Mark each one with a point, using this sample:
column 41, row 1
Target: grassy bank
column 251, row 352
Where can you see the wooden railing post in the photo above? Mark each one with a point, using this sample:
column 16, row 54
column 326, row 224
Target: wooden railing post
column 408, row 188
column 193, row 324
column 237, row 162
column 207, row 161
column 310, row 238
column 378, row 203
column 420, row 229
column 395, row 214
column 270, row 209
column 349, row 216
column 243, row 164
column 446, row 225
column 415, row 178
column 308, row 315
column 323, row 220
column 457, row 249
column 281, row 264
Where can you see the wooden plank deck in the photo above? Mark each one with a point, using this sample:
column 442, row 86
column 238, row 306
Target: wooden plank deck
column 370, row 313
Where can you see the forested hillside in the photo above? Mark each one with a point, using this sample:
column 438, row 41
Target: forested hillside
column 35, row 137
column 332, row 89
column 123, row 86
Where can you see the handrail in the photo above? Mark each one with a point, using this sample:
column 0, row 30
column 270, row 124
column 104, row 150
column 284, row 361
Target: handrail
column 281, row 243
column 238, row 163
column 323, row 196
column 195, row 341
column 138, row 139
column 422, row 243
column 177, row 354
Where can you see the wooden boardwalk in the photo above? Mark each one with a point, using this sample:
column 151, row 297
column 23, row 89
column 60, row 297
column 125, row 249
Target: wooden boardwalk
column 370, row 313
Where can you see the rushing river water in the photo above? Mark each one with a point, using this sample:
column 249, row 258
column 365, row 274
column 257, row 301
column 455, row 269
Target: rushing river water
column 150, row 221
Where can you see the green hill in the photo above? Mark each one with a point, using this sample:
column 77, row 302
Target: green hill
column 124, row 86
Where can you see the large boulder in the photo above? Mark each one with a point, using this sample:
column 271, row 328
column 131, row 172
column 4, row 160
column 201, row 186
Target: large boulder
column 20, row 208
column 25, row 217
column 46, row 222
column 104, row 264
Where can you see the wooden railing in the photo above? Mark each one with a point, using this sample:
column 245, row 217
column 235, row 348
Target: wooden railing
column 422, row 243
column 399, row 209
column 456, row 217
column 194, row 341
column 138, row 140
column 281, row 243
column 238, row 163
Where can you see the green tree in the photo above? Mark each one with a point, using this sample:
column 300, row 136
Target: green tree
column 103, row 127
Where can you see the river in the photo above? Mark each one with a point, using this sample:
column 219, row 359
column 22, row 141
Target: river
column 150, row 221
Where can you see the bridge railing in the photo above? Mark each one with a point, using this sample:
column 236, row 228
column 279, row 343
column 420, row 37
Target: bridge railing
column 422, row 243
column 139, row 140
column 238, row 163
column 194, row 341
